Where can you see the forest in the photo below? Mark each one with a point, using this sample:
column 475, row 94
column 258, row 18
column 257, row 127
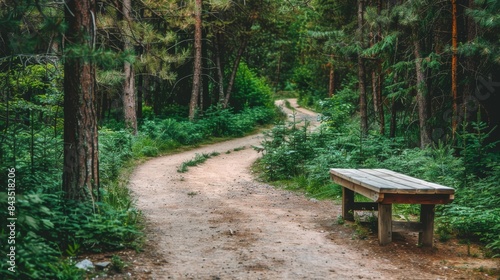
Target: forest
column 91, row 88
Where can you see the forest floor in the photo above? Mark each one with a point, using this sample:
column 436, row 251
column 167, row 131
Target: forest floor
column 217, row 221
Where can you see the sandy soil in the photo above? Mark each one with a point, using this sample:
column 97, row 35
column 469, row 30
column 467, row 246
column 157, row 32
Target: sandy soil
column 217, row 222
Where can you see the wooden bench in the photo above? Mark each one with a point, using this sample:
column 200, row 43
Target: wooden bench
column 385, row 187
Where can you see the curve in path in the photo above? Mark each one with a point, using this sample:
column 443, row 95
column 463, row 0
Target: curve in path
column 217, row 222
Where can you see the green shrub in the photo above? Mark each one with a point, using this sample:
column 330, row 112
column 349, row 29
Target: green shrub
column 198, row 159
column 335, row 113
column 115, row 149
column 250, row 91
column 287, row 150
column 149, row 151
column 305, row 159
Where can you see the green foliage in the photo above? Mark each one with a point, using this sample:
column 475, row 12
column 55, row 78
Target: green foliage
column 159, row 136
column 286, row 150
column 304, row 159
column 48, row 225
column 115, row 149
column 250, row 90
column 220, row 122
column 475, row 149
column 335, row 112
column 473, row 223
column 198, row 159
column 117, row 263
column 66, row 269
column 305, row 80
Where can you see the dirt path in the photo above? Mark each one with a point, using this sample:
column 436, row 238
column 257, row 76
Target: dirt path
column 217, row 222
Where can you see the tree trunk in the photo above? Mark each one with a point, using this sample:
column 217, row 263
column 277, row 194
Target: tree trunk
column 454, row 68
column 331, row 80
column 197, row 61
column 140, row 96
column 81, row 165
column 377, row 79
column 377, row 96
column 236, row 64
column 422, row 95
column 278, row 72
column 129, row 102
column 393, row 123
column 220, row 69
column 471, row 66
column 361, row 72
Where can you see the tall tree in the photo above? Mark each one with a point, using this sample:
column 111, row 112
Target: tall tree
column 195, row 94
column 331, row 77
column 81, row 164
column 129, row 96
column 422, row 20
column 376, row 35
column 234, row 70
column 422, row 94
column 454, row 67
column 362, row 71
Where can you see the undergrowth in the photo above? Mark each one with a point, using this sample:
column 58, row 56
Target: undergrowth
column 198, row 159
column 301, row 160
column 51, row 232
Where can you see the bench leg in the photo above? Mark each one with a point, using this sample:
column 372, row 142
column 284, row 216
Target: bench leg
column 384, row 223
column 347, row 204
column 426, row 238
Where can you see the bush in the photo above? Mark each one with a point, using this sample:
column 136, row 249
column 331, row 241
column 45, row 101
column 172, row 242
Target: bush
column 158, row 136
column 250, row 91
column 115, row 149
column 305, row 159
column 287, row 150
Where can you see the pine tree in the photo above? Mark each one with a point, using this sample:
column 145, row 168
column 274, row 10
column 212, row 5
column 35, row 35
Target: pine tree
column 195, row 94
column 129, row 96
column 81, row 163
column 362, row 71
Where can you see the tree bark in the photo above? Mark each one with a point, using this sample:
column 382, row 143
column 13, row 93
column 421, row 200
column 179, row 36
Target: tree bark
column 377, row 79
column 193, row 105
column 140, row 95
column 129, row 97
column 235, row 70
column 377, row 96
column 361, row 73
column 471, row 66
column 278, row 72
column 454, row 68
column 331, row 80
column 81, row 164
column 219, row 66
column 393, row 123
column 422, row 95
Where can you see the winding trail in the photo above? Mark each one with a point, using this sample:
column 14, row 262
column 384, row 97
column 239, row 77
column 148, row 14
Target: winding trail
column 216, row 222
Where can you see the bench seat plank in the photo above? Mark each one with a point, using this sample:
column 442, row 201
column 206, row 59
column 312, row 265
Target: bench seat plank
column 403, row 185
column 366, row 180
column 374, row 187
column 397, row 186
column 386, row 181
column 439, row 188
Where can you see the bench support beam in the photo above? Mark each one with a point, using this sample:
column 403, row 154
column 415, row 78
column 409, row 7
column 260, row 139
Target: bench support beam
column 425, row 238
column 347, row 204
column 384, row 223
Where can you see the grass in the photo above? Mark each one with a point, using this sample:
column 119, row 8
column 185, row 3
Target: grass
column 198, row 159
